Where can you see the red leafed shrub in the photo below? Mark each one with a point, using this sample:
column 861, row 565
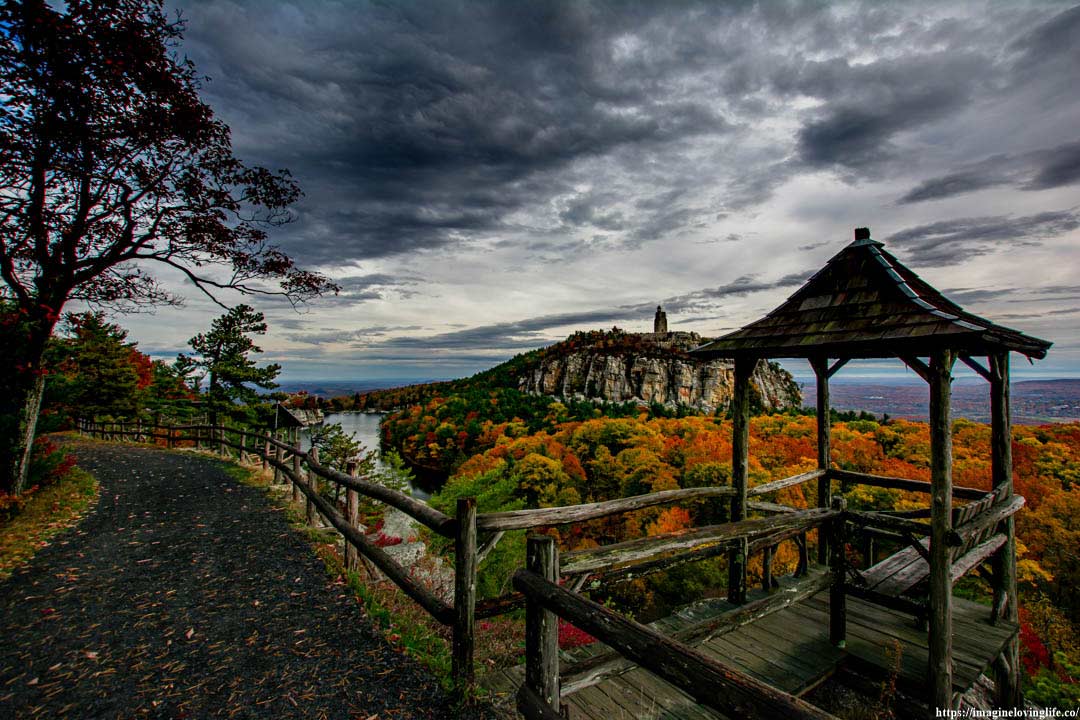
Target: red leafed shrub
column 572, row 637
column 1033, row 652
column 383, row 540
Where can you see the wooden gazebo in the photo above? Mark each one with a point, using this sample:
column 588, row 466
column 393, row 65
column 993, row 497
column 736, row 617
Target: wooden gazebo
column 865, row 304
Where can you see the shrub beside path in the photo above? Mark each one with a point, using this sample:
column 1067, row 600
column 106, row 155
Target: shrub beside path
column 185, row 594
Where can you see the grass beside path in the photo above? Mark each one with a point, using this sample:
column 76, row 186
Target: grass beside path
column 48, row 512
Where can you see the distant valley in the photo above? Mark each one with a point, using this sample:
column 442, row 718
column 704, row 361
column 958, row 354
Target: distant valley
column 1033, row 401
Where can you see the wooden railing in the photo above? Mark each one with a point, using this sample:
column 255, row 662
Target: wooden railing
column 971, row 536
column 299, row 468
column 707, row 680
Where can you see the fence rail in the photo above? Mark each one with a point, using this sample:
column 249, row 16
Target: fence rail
column 972, row 537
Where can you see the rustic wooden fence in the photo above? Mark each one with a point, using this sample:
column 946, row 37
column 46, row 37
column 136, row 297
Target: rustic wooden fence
column 975, row 537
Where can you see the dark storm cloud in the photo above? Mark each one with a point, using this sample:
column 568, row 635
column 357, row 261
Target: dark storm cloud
column 1053, row 42
column 869, row 104
column 952, row 242
column 1062, row 167
column 421, row 127
column 409, row 132
column 1038, row 170
column 954, row 184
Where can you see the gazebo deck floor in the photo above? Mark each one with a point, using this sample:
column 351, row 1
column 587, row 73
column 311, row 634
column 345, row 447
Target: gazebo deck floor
column 788, row 649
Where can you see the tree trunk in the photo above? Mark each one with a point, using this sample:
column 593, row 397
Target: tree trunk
column 22, row 384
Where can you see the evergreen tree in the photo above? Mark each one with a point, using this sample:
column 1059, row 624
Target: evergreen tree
column 224, row 353
column 94, row 371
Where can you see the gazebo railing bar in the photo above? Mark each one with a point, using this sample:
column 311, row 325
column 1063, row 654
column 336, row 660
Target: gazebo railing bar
column 708, row 681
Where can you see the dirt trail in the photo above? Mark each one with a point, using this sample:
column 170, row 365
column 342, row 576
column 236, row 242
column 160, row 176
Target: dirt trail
column 184, row 594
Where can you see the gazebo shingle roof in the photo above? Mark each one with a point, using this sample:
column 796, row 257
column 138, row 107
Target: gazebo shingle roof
column 865, row 303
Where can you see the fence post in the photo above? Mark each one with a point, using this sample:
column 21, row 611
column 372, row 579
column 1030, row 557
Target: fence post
column 221, row 439
column 313, row 485
column 296, row 467
column 352, row 514
column 766, row 569
column 837, row 596
column 279, row 455
column 266, row 452
column 169, row 437
column 542, row 627
column 464, row 596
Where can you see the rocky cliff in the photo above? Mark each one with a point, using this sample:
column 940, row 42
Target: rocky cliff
column 648, row 368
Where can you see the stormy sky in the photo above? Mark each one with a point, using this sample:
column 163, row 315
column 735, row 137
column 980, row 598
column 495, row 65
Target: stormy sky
column 483, row 178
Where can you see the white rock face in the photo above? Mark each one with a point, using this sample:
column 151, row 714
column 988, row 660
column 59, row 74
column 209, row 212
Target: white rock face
column 654, row 376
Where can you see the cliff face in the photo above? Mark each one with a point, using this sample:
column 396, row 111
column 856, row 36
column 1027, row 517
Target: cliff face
column 657, row 372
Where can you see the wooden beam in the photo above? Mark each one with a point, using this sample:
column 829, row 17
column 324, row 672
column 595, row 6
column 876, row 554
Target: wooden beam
column 824, row 425
column 489, row 545
column 544, row 517
column 988, row 518
column 770, row 508
column 785, row 482
column 940, row 666
column 541, row 625
column 492, row 607
column 740, row 454
column 977, row 367
column 923, row 551
column 706, row 680
column 463, row 670
column 895, row 483
column 976, row 555
column 532, row 707
column 889, row 522
column 837, row 596
column 1001, row 470
column 836, row 366
column 674, row 544
column 921, row 368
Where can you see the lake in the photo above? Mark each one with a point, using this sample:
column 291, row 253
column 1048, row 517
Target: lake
column 364, row 427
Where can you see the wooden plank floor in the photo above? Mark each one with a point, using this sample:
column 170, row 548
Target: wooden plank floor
column 789, row 649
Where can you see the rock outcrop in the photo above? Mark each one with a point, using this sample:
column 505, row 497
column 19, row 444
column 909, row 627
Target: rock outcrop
column 655, row 368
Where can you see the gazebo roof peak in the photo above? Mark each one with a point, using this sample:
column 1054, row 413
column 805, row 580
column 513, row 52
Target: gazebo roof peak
column 866, row 303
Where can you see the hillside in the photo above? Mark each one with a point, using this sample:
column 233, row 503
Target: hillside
column 611, row 366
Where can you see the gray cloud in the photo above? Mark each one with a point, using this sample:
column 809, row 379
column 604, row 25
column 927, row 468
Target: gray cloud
column 440, row 142
column 963, row 296
column 1062, row 167
column 330, row 336
column 534, row 332
column 1038, row 170
column 952, row 242
column 869, row 104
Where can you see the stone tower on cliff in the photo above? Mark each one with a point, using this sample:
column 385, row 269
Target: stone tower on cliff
column 660, row 322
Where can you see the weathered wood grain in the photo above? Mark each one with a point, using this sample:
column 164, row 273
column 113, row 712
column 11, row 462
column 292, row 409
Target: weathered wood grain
column 627, row 553
column 895, row 483
column 705, row 679
column 464, row 640
column 544, row 517
column 785, row 483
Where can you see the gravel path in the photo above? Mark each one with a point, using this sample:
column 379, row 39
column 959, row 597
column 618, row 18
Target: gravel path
column 186, row 595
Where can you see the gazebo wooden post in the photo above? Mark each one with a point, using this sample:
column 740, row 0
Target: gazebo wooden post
column 740, row 451
column 940, row 639
column 1007, row 681
column 824, row 484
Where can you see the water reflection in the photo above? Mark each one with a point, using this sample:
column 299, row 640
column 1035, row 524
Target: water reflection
column 365, row 428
